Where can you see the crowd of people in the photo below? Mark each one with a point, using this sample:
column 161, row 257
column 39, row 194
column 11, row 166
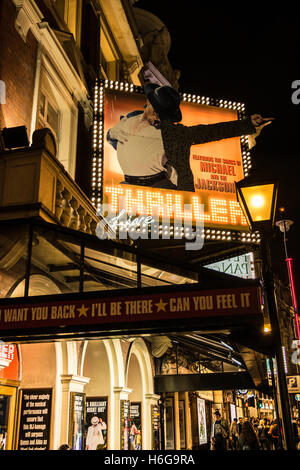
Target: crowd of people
column 248, row 434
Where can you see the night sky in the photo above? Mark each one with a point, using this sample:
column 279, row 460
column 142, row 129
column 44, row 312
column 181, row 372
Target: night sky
column 251, row 56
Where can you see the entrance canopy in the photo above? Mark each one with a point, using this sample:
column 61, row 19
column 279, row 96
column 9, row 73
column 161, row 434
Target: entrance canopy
column 59, row 283
column 103, row 288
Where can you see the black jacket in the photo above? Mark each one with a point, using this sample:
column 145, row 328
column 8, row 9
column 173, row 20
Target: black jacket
column 177, row 140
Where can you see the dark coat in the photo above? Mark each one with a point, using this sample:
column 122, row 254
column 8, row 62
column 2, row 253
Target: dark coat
column 177, row 140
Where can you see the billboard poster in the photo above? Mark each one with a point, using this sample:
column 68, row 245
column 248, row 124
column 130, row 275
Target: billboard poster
column 232, row 411
column 77, row 412
column 135, row 426
column 155, row 414
column 96, row 423
column 35, row 419
column 215, row 165
column 125, row 423
column 201, row 421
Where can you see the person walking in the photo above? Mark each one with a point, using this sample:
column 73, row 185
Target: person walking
column 234, row 434
column 274, row 432
column 262, row 434
column 248, row 439
column 219, row 432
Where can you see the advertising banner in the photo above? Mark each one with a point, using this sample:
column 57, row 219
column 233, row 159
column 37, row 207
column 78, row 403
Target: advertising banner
column 77, row 412
column 201, row 421
column 96, row 423
column 35, row 419
column 149, row 305
column 155, row 415
column 135, row 431
column 215, row 165
column 125, row 424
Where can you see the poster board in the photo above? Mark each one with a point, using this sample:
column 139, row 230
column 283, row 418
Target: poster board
column 35, row 419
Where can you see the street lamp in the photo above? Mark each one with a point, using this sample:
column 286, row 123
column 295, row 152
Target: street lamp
column 257, row 196
column 284, row 225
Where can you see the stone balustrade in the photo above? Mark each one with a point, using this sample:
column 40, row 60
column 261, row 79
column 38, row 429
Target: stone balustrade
column 34, row 183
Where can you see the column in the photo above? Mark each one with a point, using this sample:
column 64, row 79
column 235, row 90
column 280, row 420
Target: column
column 119, row 393
column 149, row 400
column 188, row 422
column 70, row 383
column 176, row 420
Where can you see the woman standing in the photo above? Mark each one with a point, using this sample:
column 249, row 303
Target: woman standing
column 248, row 439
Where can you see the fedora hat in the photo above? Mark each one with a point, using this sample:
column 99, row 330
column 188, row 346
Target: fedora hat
column 165, row 101
column 95, row 420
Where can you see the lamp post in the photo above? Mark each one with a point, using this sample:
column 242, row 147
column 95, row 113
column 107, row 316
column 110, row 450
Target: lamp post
column 257, row 196
column 284, row 226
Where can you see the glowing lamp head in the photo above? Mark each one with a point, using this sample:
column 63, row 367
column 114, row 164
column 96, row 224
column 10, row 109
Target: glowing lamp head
column 257, row 201
column 257, row 198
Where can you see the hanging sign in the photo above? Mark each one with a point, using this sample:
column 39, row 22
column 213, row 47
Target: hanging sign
column 146, row 305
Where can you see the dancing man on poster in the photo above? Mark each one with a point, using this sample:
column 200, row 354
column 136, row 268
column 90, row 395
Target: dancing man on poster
column 154, row 150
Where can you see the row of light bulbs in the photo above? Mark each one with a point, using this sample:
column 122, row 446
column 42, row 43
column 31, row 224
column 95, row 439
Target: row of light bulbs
column 97, row 166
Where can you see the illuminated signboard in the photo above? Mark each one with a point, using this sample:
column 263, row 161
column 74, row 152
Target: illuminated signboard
column 215, row 165
column 240, row 266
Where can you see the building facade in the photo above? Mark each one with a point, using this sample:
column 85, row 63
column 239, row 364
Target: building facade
column 54, row 382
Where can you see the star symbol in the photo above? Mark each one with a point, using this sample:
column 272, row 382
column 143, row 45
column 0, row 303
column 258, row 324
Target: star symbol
column 161, row 305
column 82, row 310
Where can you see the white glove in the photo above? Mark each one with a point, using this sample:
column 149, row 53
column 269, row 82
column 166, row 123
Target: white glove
column 252, row 137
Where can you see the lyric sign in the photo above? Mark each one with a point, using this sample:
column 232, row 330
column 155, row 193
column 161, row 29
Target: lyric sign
column 162, row 305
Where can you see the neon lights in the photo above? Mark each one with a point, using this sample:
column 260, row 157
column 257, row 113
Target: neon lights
column 219, row 206
column 293, row 291
column 145, row 201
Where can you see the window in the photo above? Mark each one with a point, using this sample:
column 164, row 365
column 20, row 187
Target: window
column 49, row 116
column 57, row 110
column 109, row 58
column 60, row 7
column 70, row 12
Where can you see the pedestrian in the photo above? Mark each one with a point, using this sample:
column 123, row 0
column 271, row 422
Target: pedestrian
column 274, row 432
column 298, row 433
column 295, row 431
column 248, row 439
column 154, row 150
column 262, row 434
column 234, row 434
column 240, row 425
column 64, row 447
column 219, row 432
column 267, row 432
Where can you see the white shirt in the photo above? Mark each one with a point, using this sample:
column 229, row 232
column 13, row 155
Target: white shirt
column 95, row 436
column 143, row 154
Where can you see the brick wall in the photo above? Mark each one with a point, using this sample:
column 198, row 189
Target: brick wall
column 17, row 70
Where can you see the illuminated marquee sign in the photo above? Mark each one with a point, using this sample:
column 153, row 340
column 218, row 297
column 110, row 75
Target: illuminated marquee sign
column 215, row 165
